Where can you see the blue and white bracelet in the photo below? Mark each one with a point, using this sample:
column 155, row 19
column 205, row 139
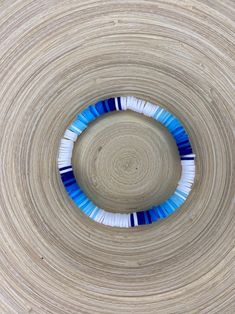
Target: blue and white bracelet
column 134, row 219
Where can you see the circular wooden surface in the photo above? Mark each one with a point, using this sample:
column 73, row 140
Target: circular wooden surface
column 56, row 57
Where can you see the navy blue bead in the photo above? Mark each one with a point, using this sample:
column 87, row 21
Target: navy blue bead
column 119, row 103
column 70, row 182
column 140, row 217
column 184, row 147
column 187, row 158
column 67, row 175
column 132, row 220
column 185, row 151
column 111, row 104
column 183, row 142
column 64, row 168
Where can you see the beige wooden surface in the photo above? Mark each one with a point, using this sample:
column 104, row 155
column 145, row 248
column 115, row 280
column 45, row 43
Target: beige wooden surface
column 57, row 57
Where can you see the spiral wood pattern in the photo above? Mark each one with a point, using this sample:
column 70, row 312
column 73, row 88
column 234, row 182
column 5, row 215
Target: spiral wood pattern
column 126, row 162
column 55, row 58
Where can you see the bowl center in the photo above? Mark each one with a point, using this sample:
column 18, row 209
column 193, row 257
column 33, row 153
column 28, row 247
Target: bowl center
column 125, row 162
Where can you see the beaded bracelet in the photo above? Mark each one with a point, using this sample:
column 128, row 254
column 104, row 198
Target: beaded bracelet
column 133, row 219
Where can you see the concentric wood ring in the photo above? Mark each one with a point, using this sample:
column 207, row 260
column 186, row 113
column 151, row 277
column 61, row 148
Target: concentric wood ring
column 57, row 56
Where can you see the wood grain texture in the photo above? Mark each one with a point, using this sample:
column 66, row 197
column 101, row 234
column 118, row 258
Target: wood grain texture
column 55, row 58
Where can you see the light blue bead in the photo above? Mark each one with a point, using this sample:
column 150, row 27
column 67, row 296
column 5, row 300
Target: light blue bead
column 156, row 113
column 174, row 125
column 88, row 207
column 88, row 115
column 94, row 213
column 173, row 205
column 82, row 118
column 167, row 207
column 181, row 193
column 79, row 124
column 176, row 199
column 74, row 193
column 84, row 203
column 169, row 120
column 161, row 212
column 80, row 199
